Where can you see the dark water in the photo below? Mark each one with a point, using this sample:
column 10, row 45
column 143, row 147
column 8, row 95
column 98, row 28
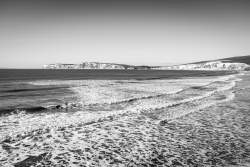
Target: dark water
column 40, row 74
column 16, row 91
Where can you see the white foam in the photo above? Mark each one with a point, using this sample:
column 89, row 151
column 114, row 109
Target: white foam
column 31, row 125
column 29, row 122
column 111, row 91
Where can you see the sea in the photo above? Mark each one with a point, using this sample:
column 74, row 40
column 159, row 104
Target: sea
column 124, row 118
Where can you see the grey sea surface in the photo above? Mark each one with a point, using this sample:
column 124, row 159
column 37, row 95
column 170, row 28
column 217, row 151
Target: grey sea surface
column 124, row 118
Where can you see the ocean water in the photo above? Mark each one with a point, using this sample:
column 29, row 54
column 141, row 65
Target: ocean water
column 145, row 118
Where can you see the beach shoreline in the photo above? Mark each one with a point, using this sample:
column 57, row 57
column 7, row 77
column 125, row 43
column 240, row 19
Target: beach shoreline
column 186, row 122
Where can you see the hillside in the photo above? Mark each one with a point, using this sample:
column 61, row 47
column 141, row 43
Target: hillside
column 226, row 64
column 240, row 59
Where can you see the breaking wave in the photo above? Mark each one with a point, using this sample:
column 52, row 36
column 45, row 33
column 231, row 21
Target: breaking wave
column 79, row 136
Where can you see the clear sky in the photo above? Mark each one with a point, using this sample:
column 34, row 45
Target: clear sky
column 37, row 32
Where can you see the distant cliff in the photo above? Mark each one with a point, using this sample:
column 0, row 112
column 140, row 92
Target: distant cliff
column 228, row 64
column 95, row 65
column 238, row 63
column 213, row 65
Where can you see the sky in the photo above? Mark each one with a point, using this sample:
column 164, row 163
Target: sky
column 140, row 32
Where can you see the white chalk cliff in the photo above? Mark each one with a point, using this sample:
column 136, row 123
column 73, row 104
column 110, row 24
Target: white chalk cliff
column 85, row 65
column 95, row 65
column 212, row 65
column 229, row 64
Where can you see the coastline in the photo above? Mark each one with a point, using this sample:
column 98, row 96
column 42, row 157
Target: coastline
column 150, row 131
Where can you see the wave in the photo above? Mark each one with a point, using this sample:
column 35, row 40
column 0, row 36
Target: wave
column 147, row 104
column 53, row 124
column 15, row 110
column 153, row 101
column 88, row 133
column 194, row 106
column 165, row 100
column 114, row 105
column 34, row 89
column 177, row 95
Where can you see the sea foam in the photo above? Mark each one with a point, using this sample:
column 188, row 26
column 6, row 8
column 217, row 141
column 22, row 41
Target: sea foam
column 61, row 134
